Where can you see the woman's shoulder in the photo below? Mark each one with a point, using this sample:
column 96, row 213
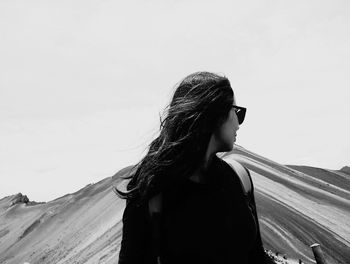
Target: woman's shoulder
column 222, row 166
column 135, row 207
column 228, row 174
column 228, row 168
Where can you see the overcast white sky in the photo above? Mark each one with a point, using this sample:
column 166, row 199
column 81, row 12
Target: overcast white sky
column 82, row 82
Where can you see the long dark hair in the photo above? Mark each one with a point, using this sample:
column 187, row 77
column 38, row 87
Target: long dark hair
column 200, row 104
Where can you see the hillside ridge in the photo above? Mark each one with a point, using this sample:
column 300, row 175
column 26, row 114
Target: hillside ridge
column 85, row 226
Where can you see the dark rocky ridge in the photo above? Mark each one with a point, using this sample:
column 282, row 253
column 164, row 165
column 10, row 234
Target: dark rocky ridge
column 19, row 198
column 345, row 169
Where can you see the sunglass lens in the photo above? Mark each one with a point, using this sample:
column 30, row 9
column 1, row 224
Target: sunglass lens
column 241, row 115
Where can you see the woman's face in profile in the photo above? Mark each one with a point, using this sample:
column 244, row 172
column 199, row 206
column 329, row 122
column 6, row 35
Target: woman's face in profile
column 225, row 135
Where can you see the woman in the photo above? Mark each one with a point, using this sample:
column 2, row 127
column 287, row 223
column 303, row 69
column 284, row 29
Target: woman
column 204, row 216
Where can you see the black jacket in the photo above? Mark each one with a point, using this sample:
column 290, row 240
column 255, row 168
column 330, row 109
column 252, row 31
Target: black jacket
column 200, row 223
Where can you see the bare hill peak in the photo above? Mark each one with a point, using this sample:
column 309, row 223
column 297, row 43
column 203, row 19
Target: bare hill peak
column 20, row 198
column 345, row 169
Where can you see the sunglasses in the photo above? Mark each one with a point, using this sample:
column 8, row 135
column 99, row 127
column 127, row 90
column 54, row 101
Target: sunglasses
column 240, row 112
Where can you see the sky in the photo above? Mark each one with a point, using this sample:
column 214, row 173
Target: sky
column 83, row 83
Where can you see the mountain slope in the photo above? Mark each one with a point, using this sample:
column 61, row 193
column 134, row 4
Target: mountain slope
column 298, row 209
column 297, row 206
column 83, row 227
